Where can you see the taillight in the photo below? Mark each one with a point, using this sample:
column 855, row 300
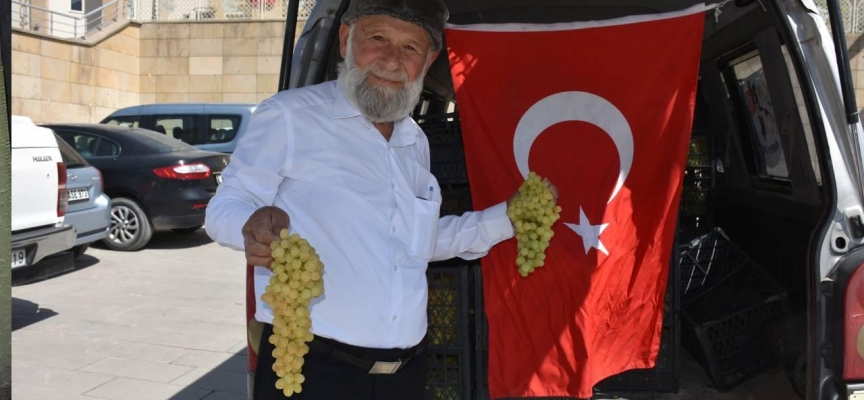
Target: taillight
column 62, row 194
column 184, row 172
column 853, row 327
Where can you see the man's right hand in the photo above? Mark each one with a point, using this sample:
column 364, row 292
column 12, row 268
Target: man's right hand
column 260, row 230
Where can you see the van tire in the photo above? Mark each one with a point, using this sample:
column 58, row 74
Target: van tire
column 188, row 230
column 130, row 228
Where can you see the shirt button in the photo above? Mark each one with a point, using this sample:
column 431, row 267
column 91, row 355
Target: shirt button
column 394, row 318
column 392, row 186
column 395, row 267
column 394, row 229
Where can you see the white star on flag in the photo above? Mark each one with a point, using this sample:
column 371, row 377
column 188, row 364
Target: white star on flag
column 590, row 233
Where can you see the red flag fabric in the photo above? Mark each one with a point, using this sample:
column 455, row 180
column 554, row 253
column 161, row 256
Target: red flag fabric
column 604, row 110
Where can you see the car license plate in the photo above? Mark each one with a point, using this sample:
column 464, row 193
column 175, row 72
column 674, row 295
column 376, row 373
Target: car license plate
column 218, row 178
column 78, row 194
column 19, row 258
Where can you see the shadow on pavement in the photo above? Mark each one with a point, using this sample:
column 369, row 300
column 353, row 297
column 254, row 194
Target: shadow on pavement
column 227, row 381
column 85, row 261
column 169, row 240
column 25, row 312
column 175, row 241
column 52, row 267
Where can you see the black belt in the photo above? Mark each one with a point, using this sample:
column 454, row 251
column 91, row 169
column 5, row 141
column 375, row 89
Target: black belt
column 374, row 367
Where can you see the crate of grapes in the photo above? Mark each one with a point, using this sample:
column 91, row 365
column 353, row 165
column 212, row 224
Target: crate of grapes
column 445, row 148
column 449, row 352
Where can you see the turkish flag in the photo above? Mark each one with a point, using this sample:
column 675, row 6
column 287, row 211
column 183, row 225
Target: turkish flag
column 603, row 109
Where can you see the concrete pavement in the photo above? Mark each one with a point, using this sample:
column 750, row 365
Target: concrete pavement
column 163, row 323
column 168, row 323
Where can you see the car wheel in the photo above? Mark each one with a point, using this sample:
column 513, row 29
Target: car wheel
column 130, row 229
column 79, row 250
column 187, row 230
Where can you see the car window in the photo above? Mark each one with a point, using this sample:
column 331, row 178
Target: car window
column 90, row 145
column 767, row 142
column 158, row 143
column 71, row 158
column 83, row 143
column 222, row 129
column 107, row 148
column 181, row 127
column 130, row 121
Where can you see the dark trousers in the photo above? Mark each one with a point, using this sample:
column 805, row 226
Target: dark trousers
column 332, row 379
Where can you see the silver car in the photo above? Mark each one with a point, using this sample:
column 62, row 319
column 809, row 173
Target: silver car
column 89, row 208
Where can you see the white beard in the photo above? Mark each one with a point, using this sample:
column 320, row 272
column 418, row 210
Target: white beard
column 377, row 104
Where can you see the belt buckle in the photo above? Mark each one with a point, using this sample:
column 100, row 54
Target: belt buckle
column 385, row 368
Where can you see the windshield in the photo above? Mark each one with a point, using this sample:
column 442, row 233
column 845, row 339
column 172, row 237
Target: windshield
column 157, row 142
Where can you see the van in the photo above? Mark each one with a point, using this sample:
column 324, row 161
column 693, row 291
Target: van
column 802, row 224
column 39, row 197
column 208, row 126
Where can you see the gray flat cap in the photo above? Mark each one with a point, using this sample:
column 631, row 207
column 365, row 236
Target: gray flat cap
column 430, row 15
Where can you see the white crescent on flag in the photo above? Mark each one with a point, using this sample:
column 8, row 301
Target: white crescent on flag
column 585, row 107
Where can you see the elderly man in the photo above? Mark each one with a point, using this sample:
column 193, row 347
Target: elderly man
column 351, row 169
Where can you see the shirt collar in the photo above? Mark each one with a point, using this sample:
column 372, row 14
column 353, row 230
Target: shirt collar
column 405, row 131
column 342, row 108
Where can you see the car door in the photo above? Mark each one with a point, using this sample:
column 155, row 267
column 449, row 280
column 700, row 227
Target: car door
column 99, row 151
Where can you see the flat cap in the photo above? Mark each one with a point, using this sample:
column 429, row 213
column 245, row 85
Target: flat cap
column 430, row 15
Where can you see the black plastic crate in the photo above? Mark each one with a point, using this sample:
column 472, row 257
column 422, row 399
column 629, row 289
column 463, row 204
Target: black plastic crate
column 449, row 351
column 456, row 200
column 481, row 339
column 695, row 208
column 730, row 310
column 445, row 148
column 447, row 306
column 449, row 376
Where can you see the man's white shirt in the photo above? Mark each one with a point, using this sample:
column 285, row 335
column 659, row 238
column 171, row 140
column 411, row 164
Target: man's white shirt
column 369, row 207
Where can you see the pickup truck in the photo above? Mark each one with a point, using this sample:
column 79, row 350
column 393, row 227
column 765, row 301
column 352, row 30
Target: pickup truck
column 39, row 196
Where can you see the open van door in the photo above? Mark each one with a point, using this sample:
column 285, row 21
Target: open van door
column 792, row 203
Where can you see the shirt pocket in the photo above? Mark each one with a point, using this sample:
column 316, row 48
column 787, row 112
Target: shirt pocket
column 425, row 232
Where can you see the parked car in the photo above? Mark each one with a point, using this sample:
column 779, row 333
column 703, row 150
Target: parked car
column 89, row 208
column 207, row 126
column 39, row 197
column 154, row 182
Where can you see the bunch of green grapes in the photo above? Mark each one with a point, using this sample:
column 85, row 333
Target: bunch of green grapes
column 295, row 282
column 533, row 211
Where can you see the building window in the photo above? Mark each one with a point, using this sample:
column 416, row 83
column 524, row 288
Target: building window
column 76, row 5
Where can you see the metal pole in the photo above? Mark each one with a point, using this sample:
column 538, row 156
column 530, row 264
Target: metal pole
column 288, row 44
column 842, row 54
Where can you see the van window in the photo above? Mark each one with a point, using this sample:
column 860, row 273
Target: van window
column 760, row 127
column 130, row 121
column 180, row 127
column 223, row 128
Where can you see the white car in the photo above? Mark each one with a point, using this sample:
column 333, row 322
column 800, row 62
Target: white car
column 39, row 196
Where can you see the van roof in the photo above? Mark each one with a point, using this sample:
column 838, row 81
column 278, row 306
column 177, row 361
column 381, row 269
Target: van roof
column 179, row 108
